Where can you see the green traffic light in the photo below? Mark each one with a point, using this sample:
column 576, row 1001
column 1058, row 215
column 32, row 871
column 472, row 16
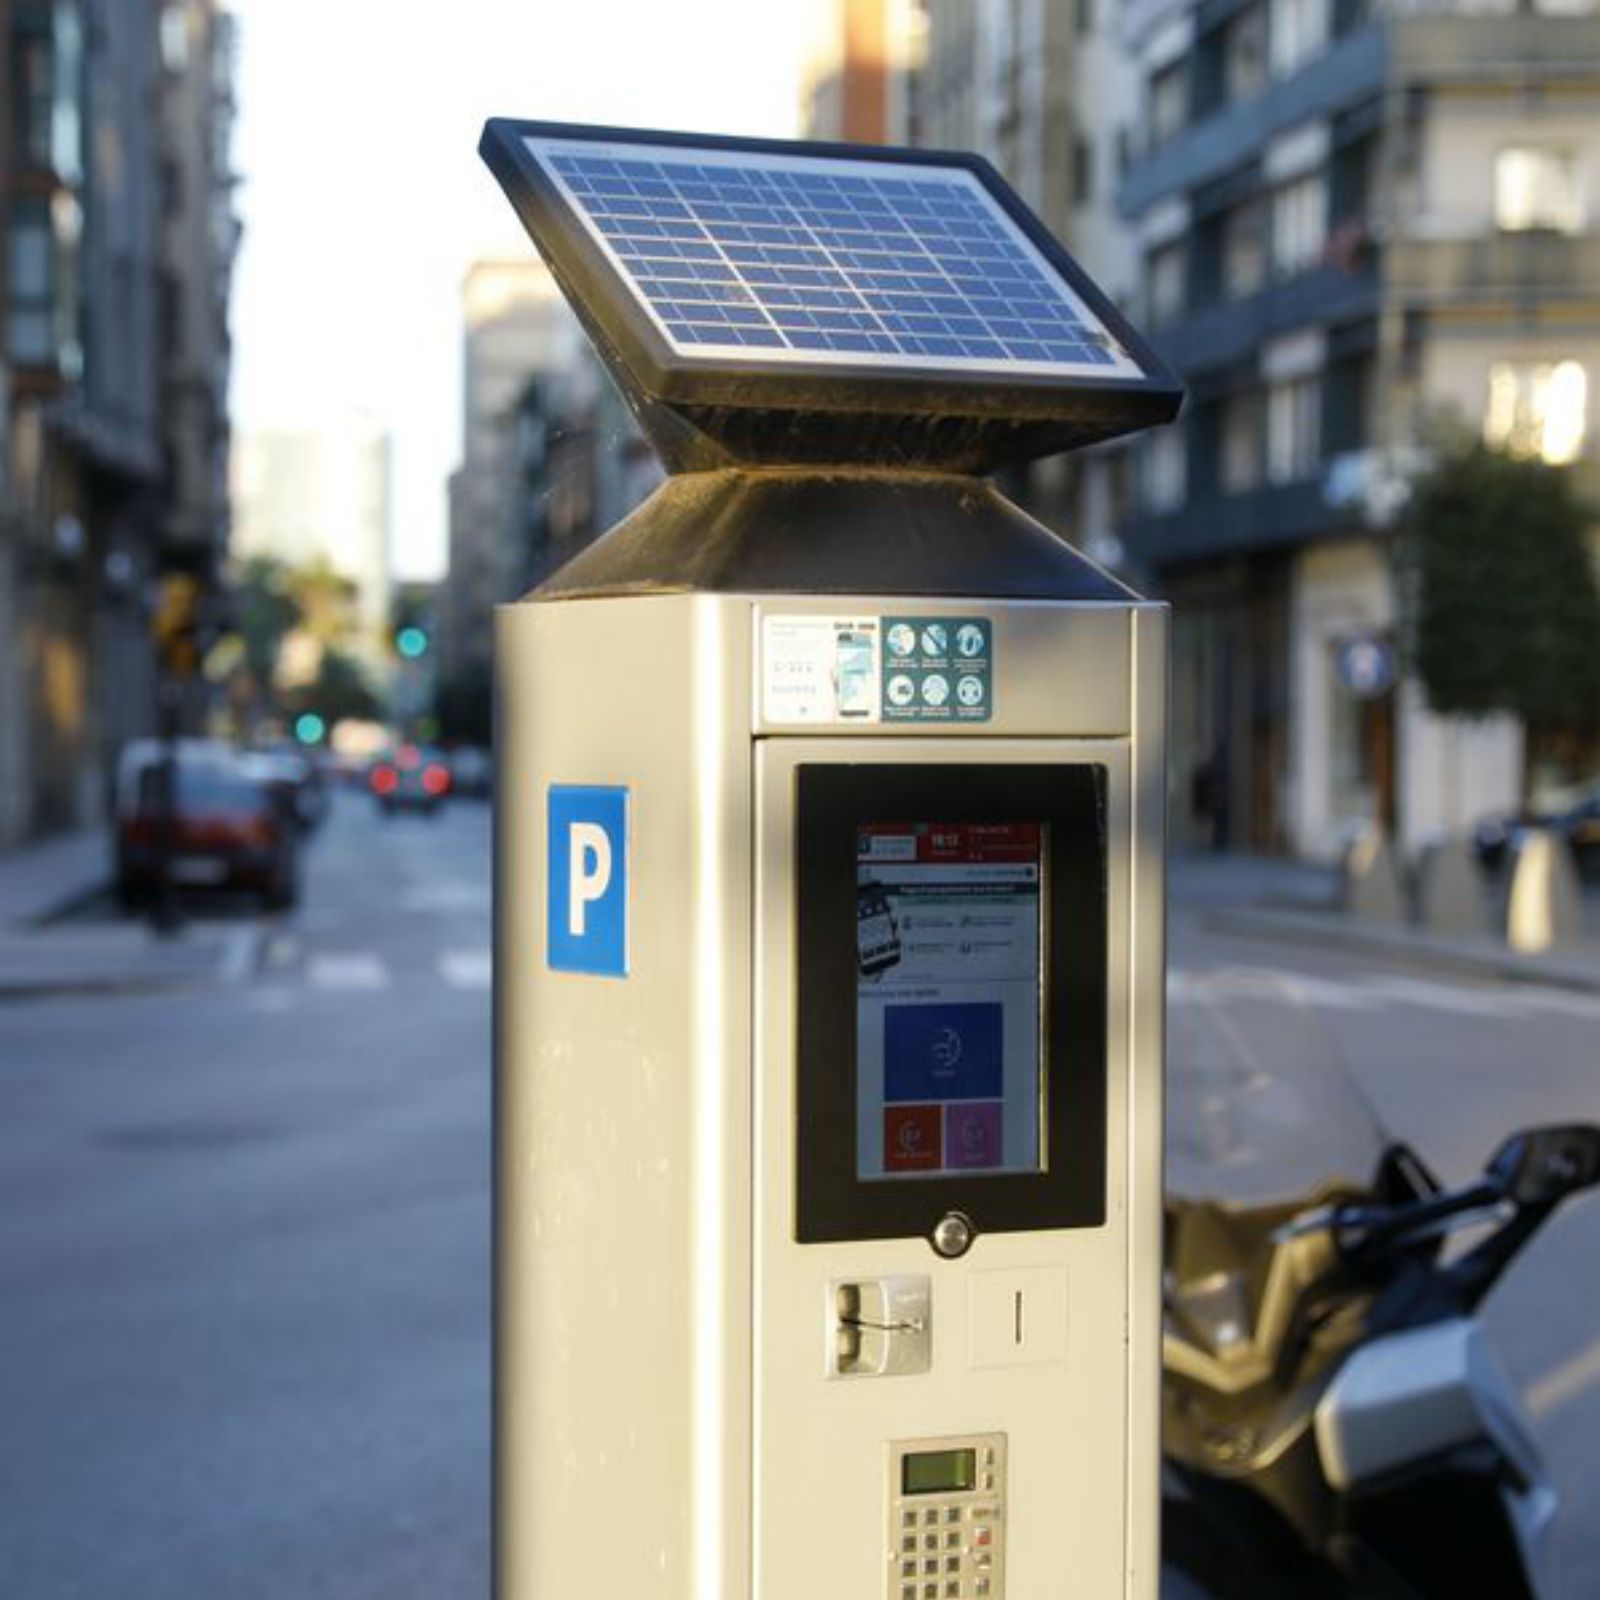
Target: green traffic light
column 412, row 643
column 310, row 728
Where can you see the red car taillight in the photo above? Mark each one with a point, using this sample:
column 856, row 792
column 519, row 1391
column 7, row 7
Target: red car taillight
column 435, row 779
column 385, row 780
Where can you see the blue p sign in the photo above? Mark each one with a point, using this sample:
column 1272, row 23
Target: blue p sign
column 586, row 922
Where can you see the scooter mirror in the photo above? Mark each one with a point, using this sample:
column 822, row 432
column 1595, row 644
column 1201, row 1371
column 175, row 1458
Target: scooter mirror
column 1540, row 1166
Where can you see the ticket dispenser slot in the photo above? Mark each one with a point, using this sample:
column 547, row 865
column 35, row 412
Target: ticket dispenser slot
column 879, row 1327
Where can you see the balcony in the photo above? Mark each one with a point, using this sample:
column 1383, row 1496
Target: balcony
column 1433, row 43
column 1234, row 330
column 1351, row 69
column 1493, row 269
column 1278, row 517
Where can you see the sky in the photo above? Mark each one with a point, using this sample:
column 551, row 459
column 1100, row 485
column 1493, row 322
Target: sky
column 364, row 200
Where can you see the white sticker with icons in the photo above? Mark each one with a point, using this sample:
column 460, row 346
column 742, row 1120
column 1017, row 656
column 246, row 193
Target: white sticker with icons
column 938, row 669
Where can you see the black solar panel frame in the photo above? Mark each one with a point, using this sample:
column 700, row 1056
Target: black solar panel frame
column 627, row 334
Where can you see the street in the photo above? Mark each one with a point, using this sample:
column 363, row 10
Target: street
column 244, row 1234
column 244, row 1254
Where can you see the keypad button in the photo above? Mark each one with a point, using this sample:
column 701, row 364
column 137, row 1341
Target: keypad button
column 952, row 1589
column 908, row 1591
column 931, row 1515
column 930, row 1591
column 953, row 1539
column 908, row 1519
column 909, row 1543
column 983, row 1560
column 952, row 1514
column 930, row 1541
column 952, row 1563
column 908, row 1569
column 981, row 1587
column 983, row 1536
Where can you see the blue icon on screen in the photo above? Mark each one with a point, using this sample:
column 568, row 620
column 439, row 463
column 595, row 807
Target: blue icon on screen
column 942, row 1052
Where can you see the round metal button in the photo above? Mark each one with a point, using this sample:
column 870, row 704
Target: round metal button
column 952, row 1235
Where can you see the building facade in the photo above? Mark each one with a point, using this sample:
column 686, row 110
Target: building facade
column 1353, row 218
column 517, row 330
column 97, row 115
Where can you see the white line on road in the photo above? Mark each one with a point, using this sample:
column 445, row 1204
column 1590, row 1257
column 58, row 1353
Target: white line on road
column 350, row 969
column 467, row 969
column 446, row 895
column 1381, row 993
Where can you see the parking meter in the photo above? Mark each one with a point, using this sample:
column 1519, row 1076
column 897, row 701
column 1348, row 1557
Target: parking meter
column 829, row 936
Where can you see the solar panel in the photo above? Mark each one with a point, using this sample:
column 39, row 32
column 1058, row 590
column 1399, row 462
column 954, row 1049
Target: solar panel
column 811, row 260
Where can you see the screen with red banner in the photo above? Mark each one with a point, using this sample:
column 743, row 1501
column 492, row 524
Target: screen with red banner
column 949, row 1065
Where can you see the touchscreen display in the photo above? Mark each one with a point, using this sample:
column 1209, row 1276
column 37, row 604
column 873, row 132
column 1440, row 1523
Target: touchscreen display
column 949, row 1074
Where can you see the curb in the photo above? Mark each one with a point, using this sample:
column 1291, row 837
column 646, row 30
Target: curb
column 1398, row 944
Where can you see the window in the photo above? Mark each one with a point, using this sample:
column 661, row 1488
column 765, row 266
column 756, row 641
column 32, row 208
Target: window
column 1241, row 444
column 1244, row 55
column 1164, row 282
column 30, row 284
column 1537, row 188
column 1538, row 409
column 32, row 86
column 1299, row 225
column 1169, row 102
column 1299, row 30
column 1162, row 468
column 1244, row 250
column 1082, row 170
column 1294, row 430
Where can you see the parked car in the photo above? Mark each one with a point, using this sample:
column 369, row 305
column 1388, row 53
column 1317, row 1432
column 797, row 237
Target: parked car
column 230, row 830
column 412, row 779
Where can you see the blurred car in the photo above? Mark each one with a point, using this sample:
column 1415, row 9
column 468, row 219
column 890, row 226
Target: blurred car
column 471, row 773
column 412, row 779
column 297, row 778
column 230, row 830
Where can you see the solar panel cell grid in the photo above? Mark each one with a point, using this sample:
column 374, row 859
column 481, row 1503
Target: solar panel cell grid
column 807, row 264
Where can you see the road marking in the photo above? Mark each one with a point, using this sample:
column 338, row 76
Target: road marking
column 350, row 969
column 446, row 895
column 1562, row 1385
column 1379, row 993
column 467, row 969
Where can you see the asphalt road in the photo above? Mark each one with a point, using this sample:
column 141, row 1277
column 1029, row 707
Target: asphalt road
column 244, row 1235
column 244, row 1255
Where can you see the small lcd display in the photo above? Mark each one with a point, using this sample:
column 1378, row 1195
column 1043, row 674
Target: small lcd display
column 949, row 1069
column 938, row 1471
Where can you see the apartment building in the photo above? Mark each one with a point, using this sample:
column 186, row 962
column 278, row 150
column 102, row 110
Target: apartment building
column 1353, row 216
column 105, row 115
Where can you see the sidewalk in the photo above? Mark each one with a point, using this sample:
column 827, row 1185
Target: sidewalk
column 1256, row 897
column 45, row 953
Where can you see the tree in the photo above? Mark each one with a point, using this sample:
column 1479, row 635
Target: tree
column 267, row 611
column 1499, row 596
column 341, row 690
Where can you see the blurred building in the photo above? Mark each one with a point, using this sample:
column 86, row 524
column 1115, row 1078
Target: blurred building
column 1351, row 216
column 518, row 331
column 861, row 80
column 322, row 492
column 1045, row 90
column 103, row 121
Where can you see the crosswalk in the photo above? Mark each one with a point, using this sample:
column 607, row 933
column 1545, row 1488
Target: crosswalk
column 471, row 970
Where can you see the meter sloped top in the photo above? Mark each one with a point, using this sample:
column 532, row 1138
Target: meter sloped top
column 766, row 302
